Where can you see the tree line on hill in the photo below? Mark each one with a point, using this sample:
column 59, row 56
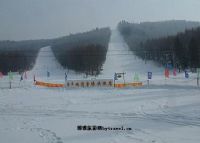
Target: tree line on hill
column 86, row 52
column 83, row 52
column 167, row 42
column 182, row 51
column 19, row 56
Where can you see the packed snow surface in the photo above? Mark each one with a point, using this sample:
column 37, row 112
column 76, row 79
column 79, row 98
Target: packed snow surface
column 166, row 111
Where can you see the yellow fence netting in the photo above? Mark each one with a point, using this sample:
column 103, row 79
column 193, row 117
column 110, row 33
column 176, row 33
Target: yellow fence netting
column 118, row 85
column 45, row 84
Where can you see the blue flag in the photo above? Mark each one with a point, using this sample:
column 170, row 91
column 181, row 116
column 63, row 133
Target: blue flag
column 186, row 74
column 149, row 75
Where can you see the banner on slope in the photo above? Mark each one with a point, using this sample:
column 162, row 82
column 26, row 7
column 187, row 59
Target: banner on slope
column 149, row 75
column 136, row 77
column 166, row 73
column 186, row 74
column 169, row 66
column 1, row 75
column 45, row 84
column 89, row 83
column 174, row 72
column 10, row 75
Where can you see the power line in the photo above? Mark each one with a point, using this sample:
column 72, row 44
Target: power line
column 97, row 53
column 10, row 56
column 81, row 51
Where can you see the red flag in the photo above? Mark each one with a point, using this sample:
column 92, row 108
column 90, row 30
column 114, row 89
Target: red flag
column 174, row 72
column 1, row 74
column 167, row 73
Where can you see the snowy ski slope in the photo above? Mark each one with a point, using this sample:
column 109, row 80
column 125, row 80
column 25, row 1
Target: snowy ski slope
column 166, row 112
column 121, row 59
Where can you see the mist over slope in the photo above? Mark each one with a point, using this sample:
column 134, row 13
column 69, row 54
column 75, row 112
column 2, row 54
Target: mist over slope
column 86, row 52
column 83, row 52
column 136, row 33
column 71, row 51
column 19, row 55
column 139, row 36
column 181, row 50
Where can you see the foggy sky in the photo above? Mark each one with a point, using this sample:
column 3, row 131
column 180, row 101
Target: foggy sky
column 35, row 19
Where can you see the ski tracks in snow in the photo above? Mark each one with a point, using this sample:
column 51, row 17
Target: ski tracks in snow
column 47, row 135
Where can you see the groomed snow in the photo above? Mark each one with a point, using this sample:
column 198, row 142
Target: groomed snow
column 168, row 111
column 155, row 115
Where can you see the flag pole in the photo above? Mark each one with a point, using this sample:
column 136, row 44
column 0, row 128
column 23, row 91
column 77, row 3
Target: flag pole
column 114, row 82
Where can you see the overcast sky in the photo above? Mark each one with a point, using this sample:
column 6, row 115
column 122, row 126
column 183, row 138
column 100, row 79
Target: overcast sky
column 35, row 19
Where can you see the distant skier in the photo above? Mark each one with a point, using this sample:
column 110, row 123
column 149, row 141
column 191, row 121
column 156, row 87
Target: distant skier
column 1, row 75
column 21, row 78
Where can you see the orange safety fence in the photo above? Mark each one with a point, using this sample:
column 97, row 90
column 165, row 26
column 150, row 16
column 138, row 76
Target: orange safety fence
column 118, row 85
column 39, row 83
column 135, row 84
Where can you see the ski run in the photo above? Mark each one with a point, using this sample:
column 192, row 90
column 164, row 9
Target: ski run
column 166, row 111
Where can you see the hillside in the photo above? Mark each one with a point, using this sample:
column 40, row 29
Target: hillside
column 87, row 49
column 137, row 33
column 166, row 111
column 181, row 50
column 19, row 55
column 83, row 52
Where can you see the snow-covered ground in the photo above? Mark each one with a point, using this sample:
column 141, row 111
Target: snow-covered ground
column 168, row 111
column 121, row 59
